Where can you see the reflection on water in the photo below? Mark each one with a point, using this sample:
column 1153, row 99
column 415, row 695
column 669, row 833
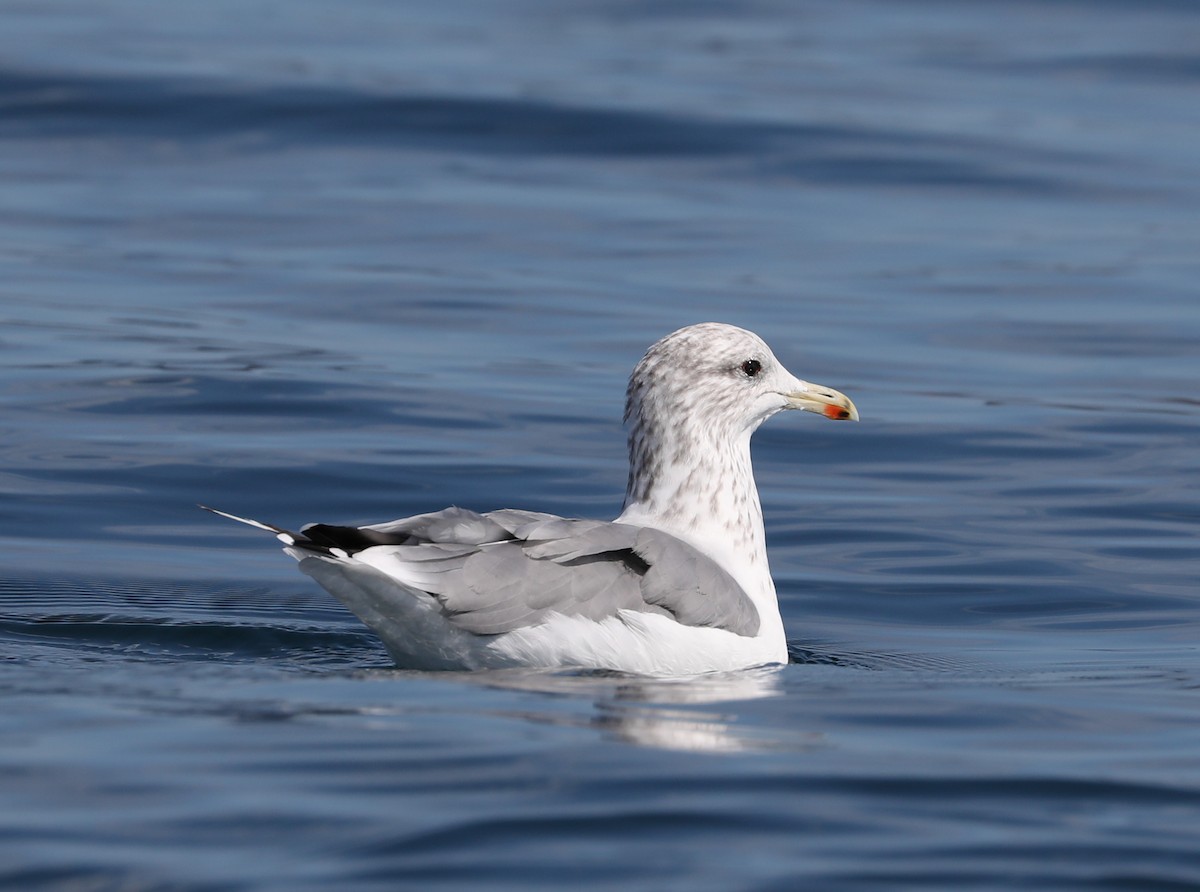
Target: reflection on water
column 719, row 687
column 640, row 710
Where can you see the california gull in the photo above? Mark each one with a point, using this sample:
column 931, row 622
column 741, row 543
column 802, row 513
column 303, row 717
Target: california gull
column 677, row 585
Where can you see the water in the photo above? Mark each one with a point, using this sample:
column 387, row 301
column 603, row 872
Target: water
column 359, row 261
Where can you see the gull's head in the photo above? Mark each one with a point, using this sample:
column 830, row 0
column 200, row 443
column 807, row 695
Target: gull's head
column 723, row 379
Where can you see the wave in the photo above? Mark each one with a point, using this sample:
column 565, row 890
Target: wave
column 40, row 105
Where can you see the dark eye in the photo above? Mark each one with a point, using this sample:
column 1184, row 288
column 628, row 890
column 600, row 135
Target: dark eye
column 751, row 367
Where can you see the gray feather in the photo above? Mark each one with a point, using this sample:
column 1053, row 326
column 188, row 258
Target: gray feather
column 498, row 572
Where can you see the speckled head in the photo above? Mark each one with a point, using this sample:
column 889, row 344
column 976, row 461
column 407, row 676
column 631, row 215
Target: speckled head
column 696, row 397
column 722, row 378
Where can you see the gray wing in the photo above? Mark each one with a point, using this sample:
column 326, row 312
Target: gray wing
column 506, row 570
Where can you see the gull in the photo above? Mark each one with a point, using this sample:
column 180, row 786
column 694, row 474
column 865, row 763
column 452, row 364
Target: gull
column 678, row 584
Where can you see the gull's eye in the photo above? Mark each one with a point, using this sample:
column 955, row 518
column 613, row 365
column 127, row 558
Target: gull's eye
column 751, row 367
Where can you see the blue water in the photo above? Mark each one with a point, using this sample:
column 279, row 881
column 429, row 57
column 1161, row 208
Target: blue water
column 349, row 262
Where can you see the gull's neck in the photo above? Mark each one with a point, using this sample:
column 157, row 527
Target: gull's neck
column 696, row 482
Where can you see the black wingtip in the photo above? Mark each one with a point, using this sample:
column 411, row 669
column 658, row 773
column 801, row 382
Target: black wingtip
column 287, row 537
column 257, row 524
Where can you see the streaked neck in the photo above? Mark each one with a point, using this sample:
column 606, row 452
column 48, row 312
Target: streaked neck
column 699, row 485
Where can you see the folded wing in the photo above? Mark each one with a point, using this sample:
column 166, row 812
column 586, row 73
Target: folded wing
column 506, row 570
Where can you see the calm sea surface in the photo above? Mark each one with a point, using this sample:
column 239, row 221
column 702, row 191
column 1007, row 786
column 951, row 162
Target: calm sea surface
column 353, row 261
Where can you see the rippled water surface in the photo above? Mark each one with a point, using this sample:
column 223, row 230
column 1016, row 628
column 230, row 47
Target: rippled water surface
column 356, row 261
